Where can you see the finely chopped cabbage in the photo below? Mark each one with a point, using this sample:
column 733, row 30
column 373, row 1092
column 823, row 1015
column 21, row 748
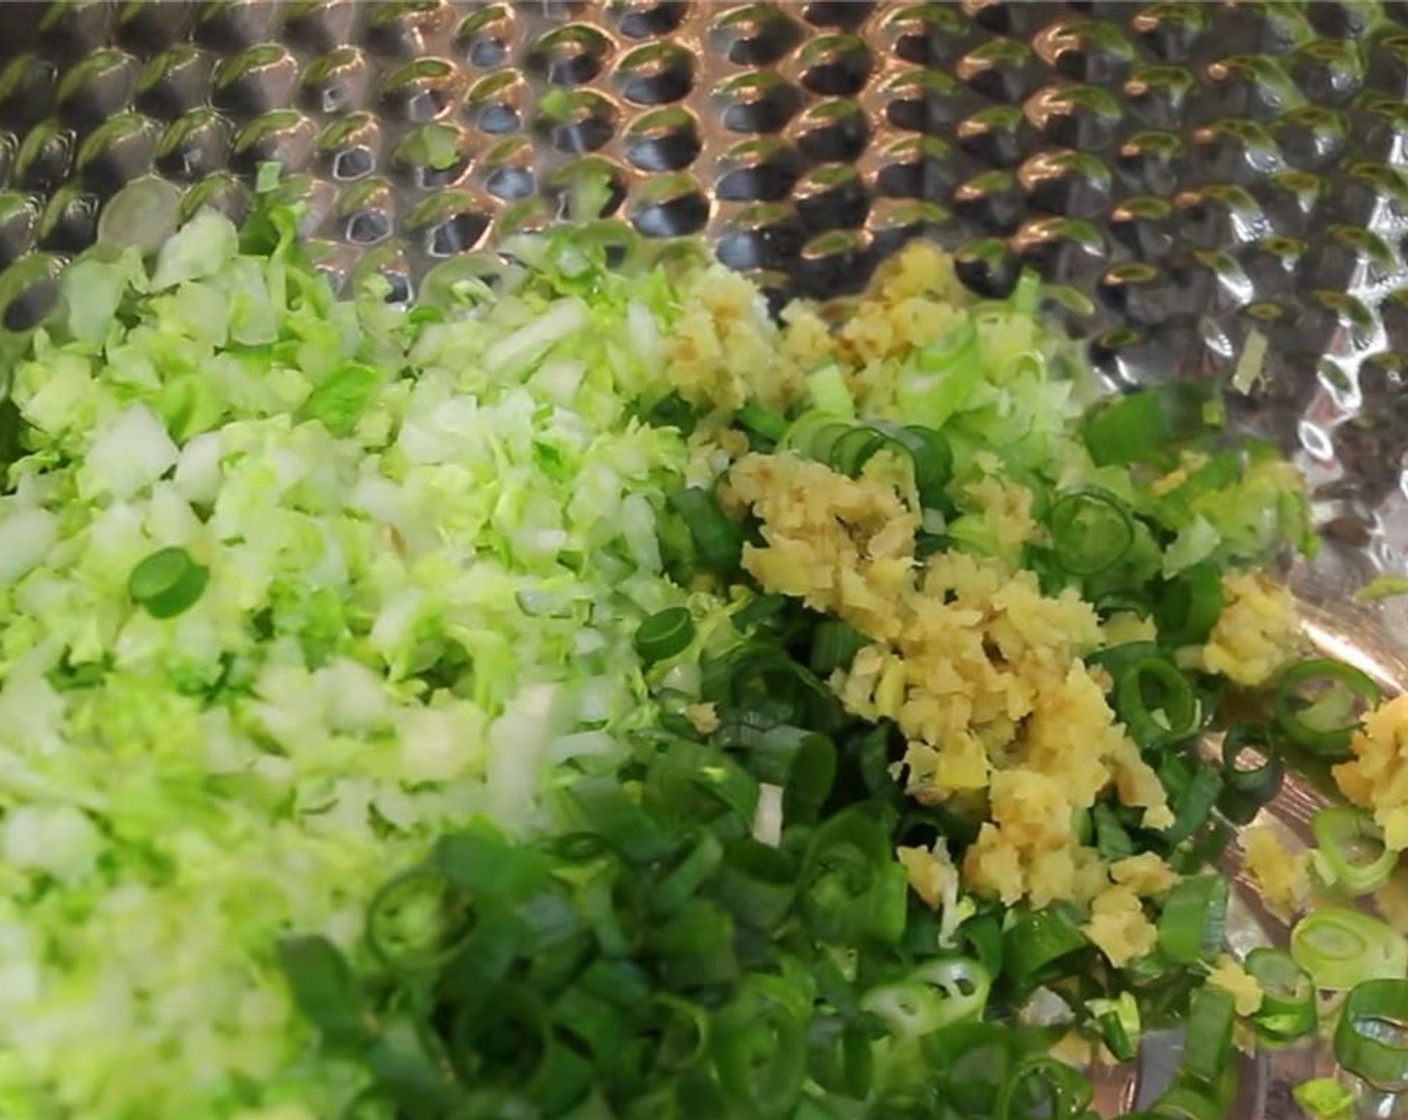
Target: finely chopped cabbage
column 429, row 539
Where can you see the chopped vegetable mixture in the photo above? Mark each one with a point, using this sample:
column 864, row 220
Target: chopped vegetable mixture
column 586, row 695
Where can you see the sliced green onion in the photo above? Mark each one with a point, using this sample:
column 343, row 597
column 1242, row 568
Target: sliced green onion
column 167, row 583
column 1287, row 1010
column 1111, row 839
column 1115, row 1036
column 1341, row 948
column 1208, row 1041
column 1371, row 1039
column 821, row 440
column 324, row 988
column 1350, row 853
column 941, row 378
column 1038, row 939
column 1189, row 605
column 842, row 1060
column 1043, row 1086
column 672, row 411
column 1324, row 1098
column 606, row 808
column 1156, row 702
column 933, row 463
column 834, row 646
column 933, row 996
column 761, row 1047
column 1193, row 918
column 1119, row 1023
column 1117, row 660
column 678, row 885
column 770, row 425
column 664, row 634
column 1090, row 531
column 1318, row 704
column 1252, row 771
column 1142, row 426
column 1123, row 600
column 853, row 890
column 684, row 1030
column 418, row 920
column 852, row 451
column 757, row 883
column 1194, row 802
column 716, row 538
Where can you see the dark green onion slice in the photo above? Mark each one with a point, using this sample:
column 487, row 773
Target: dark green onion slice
column 664, row 634
column 1188, row 606
column 672, row 411
column 1371, row 1039
column 1208, row 1044
column 834, row 646
column 1350, row 854
column 606, row 808
column 1111, row 839
column 1036, row 940
column 842, row 1059
column 1156, row 702
column 1043, row 1086
column 324, row 988
column 680, row 883
column 1090, row 531
column 1194, row 802
column 850, row 453
column 1252, row 770
column 1141, row 426
column 1118, row 659
column 770, row 425
column 717, row 540
column 1287, row 1010
column 418, row 920
column 1115, row 1036
column 1341, row 948
column 760, row 1047
column 853, row 890
column 167, row 583
column 820, row 442
column 933, row 463
column 1131, row 600
column 757, row 884
column 684, row 1031
column 1193, row 918
column 1319, row 703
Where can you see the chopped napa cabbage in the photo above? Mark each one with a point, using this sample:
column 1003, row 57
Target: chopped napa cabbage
column 429, row 540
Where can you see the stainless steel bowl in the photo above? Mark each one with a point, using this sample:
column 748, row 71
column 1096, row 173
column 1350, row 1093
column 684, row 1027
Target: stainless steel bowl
column 1198, row 172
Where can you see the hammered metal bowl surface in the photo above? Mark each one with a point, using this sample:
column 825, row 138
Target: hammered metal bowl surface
column 1196, row 171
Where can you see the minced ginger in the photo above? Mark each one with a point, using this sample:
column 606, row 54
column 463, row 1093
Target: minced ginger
column 1377, row 777
column 980, row 671
column 983, row 674
column 1258, row 632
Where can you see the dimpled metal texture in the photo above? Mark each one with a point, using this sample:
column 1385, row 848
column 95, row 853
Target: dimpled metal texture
column 1199, row 173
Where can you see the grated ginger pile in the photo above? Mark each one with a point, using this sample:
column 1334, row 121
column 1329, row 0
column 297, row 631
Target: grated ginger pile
column 983, row 675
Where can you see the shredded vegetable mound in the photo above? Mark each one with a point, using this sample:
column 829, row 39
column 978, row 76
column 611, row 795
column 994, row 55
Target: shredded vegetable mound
column 425, row 540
